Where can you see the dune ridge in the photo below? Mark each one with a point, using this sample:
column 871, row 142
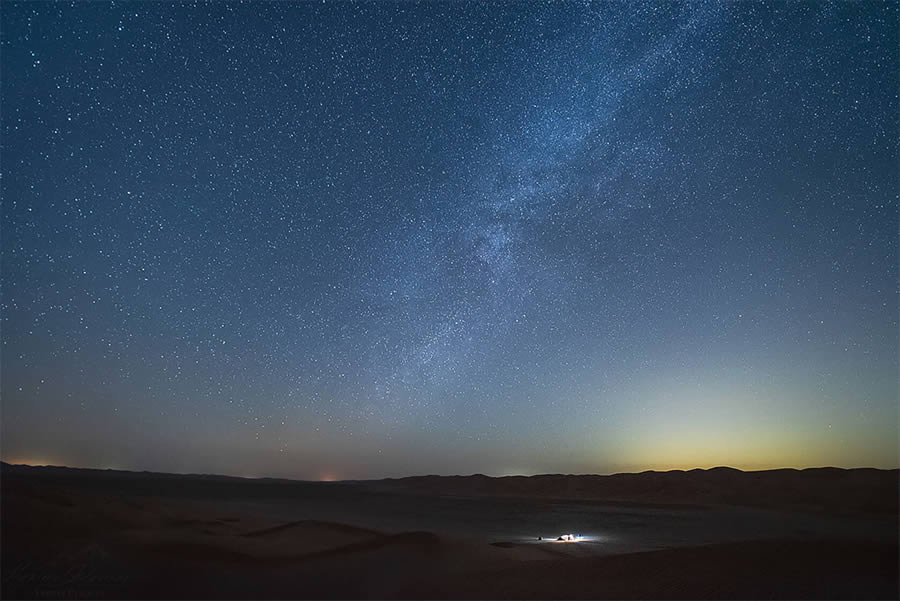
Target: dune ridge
column 866, row 490
column 830, row 489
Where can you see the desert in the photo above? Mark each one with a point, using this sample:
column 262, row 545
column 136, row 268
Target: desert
column 74, row 533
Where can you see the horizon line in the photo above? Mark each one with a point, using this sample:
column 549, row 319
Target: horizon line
column 435, row 475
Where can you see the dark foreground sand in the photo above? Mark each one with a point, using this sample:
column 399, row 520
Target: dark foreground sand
column 89, row 534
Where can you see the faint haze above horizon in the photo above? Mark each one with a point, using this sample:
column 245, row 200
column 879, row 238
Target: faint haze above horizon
column 332, row 477
column 357, row 240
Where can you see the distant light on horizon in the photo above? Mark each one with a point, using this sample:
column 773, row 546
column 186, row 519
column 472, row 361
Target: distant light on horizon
column 32, row 462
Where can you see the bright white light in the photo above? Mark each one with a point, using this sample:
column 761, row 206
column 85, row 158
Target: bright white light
column 568, row 538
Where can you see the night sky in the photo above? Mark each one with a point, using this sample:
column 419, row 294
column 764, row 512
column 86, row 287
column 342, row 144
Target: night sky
column 334, row 240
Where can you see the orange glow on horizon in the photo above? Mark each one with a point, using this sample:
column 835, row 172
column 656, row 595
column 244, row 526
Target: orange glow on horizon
column 33, row 462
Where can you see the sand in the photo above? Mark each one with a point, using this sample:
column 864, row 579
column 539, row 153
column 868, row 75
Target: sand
column 89, row 534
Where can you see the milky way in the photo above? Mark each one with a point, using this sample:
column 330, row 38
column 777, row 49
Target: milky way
column 358, row 240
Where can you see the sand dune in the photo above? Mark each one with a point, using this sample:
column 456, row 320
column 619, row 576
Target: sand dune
column 755, row 570
column 85, row 534
column 842, row 490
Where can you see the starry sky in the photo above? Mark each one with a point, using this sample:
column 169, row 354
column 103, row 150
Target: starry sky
column 358, row 240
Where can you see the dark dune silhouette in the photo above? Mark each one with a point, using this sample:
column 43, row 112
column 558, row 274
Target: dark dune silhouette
column 828, row 488
column 75, row 533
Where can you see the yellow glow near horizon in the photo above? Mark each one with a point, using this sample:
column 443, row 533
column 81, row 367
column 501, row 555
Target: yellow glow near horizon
column 752, row 446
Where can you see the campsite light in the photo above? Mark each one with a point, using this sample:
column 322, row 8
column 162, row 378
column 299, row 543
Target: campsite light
column 568, row 538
